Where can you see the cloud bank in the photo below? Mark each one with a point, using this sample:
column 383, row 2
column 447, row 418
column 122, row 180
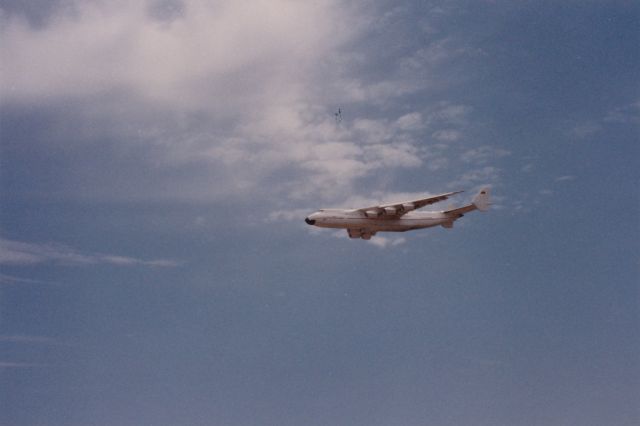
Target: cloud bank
column 230, row 101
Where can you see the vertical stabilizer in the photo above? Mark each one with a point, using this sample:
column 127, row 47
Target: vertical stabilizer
column 482, row 201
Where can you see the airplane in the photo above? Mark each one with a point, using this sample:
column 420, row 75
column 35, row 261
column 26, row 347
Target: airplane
column 396, row 217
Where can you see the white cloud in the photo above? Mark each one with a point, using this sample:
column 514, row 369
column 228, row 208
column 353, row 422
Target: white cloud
column 483, row 154
column 626, row 114
column 565, row 178
column 436, row 54
column 585, row 130
column 289, row 215
column 476, row 177
column 411, row 121
column 437, row 163
column 451, row 114
column 384, row 242
column 528, row 168
column 21, row 253
column 447, row 135
column 210, row 50
column 402, row 155
column 239, row 99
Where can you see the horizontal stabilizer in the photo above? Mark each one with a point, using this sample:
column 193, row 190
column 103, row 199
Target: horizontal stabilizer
column 480, row 202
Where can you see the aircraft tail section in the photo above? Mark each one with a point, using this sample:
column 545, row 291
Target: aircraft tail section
column 482, row 200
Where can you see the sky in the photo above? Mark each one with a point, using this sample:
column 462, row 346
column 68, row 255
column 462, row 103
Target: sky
column 158, row 158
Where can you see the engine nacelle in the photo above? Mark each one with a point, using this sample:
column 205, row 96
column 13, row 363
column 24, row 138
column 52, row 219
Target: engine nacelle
column 390, row 211
column 407, row 207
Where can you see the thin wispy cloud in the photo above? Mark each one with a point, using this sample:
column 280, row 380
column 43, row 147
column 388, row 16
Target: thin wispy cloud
column 624, row 114
column 585, row 130
column 10, row 279
column 447, row 135
column 479, row 176
column 21, row 253
column 621, row 115
column 483, row 154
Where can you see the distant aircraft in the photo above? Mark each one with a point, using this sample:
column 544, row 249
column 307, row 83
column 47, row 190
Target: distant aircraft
column 338, row 116
column 398, row 217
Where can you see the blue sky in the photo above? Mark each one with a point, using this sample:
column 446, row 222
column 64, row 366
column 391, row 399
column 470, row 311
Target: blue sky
column 157, row 160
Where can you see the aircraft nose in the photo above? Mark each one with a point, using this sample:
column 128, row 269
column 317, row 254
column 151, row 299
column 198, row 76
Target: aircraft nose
column 310, row 221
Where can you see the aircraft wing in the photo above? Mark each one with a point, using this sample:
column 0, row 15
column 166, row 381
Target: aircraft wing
column 395, row 210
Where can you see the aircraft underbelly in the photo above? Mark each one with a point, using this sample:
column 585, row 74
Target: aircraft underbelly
column 388, row 225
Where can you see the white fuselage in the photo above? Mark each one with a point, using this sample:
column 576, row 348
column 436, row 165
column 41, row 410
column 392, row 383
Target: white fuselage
column 354, row 219
column 396, row 217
